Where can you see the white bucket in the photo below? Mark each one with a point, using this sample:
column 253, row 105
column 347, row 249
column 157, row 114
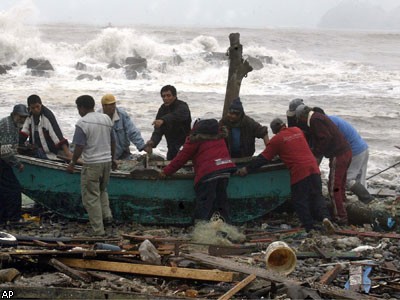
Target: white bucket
column 280, row 258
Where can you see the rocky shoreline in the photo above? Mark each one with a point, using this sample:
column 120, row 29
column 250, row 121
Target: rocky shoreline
column 364, row 258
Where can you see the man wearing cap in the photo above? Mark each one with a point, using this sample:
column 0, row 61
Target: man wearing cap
column 328, row 141
column 43, row 131
column 306, row 187
column 242, row 131
column 10, row 189
column 173, row 120
column 291, row 113
column 124, row 129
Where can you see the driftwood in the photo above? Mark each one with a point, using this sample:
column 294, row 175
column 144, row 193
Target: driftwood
column 329, row 276
column 238, row 68
column 75, row 274
column 273, row 277
column 238, row 287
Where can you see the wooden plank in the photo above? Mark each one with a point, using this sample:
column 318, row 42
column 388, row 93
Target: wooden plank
column 75, row 274
column 229, row 294
column 161, row 271
column 40, row 243
column 228, row 264
column 329, row 276
column 270, row 276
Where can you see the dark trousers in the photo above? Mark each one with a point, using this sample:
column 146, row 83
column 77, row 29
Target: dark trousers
column 211, row 196
column 10, row 194
column 173, row 151
column 308, row 201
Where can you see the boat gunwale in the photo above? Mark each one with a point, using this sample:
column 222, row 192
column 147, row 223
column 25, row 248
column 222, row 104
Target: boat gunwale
column 59, row 165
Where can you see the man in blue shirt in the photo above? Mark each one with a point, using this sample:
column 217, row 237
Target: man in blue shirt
column 124, row 129
column 357, row 171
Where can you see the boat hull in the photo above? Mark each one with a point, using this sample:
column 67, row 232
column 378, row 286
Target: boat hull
column 151, row 201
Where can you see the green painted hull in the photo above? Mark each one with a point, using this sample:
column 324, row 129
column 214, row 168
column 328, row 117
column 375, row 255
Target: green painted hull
column 152, row 201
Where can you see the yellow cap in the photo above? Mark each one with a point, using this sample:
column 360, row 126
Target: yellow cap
column 108, row 99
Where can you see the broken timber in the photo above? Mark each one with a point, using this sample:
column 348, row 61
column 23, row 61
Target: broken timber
column 238, row 68
column 237, row 287
column 75, row 274
column 160, row 271
column 271, row 276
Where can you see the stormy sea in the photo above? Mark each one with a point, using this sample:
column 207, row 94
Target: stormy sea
column 355, row 75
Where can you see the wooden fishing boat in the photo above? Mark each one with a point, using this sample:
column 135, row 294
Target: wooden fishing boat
column 138, row 197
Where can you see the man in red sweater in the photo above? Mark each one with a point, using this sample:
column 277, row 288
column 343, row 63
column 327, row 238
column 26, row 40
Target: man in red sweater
column 306, row 187
column 328, row 141
column 212, row 164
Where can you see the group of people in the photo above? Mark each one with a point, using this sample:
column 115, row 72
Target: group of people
column 102, row 137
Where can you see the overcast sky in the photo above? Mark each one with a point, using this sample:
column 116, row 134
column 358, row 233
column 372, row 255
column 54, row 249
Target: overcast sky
column 203, row 13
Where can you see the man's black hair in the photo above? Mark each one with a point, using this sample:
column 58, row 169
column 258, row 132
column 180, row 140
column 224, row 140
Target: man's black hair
column 318, row 110
column 85, row 101
column 167, row 88
column 33, row 99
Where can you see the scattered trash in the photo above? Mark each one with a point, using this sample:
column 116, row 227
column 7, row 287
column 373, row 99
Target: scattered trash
column 364, row 248
column 149, row 253
column 103, row 246
column 280, row 258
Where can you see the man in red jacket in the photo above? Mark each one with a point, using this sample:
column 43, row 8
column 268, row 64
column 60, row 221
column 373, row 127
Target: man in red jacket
column 305, row 177
column 328, row 141
column 212, row 164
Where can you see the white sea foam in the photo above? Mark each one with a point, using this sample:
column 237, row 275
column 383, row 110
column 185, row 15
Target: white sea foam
column 333, row 70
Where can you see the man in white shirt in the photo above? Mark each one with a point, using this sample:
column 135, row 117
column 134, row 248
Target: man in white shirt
column 93, row 139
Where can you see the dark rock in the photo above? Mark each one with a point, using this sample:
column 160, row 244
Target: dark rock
column 7, row 67
column 39, row 64
column 3, row 70
column 266, row 59
column 40, row 73
column 135, row 65
column 177, row 60
column 139, row 63
column 113, row 65
column 88, row 77
column 85, row 76
column 80, row 66
column 130, row 72
column 255, row 63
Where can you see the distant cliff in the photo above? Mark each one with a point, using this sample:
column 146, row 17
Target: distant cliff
column 360, row 15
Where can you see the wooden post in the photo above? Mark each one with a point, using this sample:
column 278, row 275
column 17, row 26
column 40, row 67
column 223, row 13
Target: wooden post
column 238, row 68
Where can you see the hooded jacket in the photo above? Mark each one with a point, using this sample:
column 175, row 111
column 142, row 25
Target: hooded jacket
column 207, row 151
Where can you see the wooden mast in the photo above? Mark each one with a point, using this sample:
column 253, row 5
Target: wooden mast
column 238, row 68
